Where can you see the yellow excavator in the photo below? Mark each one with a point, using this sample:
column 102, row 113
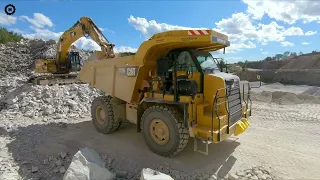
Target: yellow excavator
column 60, row 68
column 172, row 89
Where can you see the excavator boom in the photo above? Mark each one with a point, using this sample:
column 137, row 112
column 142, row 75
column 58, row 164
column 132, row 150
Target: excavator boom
column 84, row 27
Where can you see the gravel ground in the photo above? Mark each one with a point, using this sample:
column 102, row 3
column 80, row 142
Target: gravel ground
column 277, row 139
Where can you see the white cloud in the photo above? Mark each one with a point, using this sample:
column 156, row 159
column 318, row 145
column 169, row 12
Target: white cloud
column 305, row 43
column 286, row 43
column 39, row 20
column 286, row 11
column 106, row 29
column 38, row 31
column 264, row 53
column 239, row 28
column 236, row 47
column 125, row 49
column 293, row 31
column 310, row 33
column 233, row 58
column 6, row 20
column 109, row 30
column 44, row 34
column 16, row 30
column 149, row 28
column 81, row 43
column 87, row 44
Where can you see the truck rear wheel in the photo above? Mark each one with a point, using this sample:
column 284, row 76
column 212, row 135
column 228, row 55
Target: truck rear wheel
column 163, row 130
column 103, row 116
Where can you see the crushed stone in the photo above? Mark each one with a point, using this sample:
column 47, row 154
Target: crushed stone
column 285, row 98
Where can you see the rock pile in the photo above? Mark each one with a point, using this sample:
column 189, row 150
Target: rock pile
column 50, row 103
column 15, row 58
column 255, row 173
column 16, row 65
column 288, row 98
column 18, row 58
column 52, row 167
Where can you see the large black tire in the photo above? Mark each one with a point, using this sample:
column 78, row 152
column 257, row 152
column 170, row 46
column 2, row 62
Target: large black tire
column 102, row 115
column 173, row 121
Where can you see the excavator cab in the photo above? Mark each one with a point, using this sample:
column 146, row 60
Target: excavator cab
column 73, row 60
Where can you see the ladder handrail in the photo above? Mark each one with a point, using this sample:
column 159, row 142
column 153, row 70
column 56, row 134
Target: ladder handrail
column 248, row 98
column 216, row 105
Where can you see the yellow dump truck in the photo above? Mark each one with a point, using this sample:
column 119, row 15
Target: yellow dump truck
column 172, row 90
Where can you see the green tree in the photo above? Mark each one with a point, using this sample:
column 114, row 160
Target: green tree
column 268, row 59
column 286, row 54
column 278, row 57
column 8, row 36
column 245, row 66
column 294, row 54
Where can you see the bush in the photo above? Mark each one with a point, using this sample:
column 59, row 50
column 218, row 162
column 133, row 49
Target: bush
column 6, row 36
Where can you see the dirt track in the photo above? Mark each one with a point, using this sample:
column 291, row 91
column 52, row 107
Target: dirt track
column 285, row 137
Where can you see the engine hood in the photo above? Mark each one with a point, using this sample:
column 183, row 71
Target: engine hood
column 226, row 76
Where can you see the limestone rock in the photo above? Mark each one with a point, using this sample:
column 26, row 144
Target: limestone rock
column 87, row 165
column 150, row 174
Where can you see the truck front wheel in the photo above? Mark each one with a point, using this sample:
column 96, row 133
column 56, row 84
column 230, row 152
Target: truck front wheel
column 163, row 130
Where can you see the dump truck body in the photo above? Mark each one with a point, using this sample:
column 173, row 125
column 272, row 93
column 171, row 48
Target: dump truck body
column 170, row 88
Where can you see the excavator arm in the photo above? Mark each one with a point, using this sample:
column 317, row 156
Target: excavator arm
column 84, row 27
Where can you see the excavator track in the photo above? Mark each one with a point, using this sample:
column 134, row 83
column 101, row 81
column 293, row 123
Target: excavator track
column 60, row 79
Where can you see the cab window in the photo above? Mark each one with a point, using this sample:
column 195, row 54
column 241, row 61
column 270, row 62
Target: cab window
column 185, row 62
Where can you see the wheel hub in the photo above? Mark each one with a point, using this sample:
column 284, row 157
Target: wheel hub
column 159, row 131
column 100, row 114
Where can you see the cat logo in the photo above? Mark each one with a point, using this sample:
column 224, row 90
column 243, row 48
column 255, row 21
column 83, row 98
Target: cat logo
column 72, row 34
column 131, row 71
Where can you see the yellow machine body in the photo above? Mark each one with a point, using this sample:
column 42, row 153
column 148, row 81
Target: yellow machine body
column 207, row 114
column 66, row 60
column 45, row 66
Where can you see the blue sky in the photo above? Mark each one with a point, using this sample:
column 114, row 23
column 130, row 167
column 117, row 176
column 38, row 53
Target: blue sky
column 256, row 28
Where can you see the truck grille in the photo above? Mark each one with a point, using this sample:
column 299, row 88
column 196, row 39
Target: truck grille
column 234, row 103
